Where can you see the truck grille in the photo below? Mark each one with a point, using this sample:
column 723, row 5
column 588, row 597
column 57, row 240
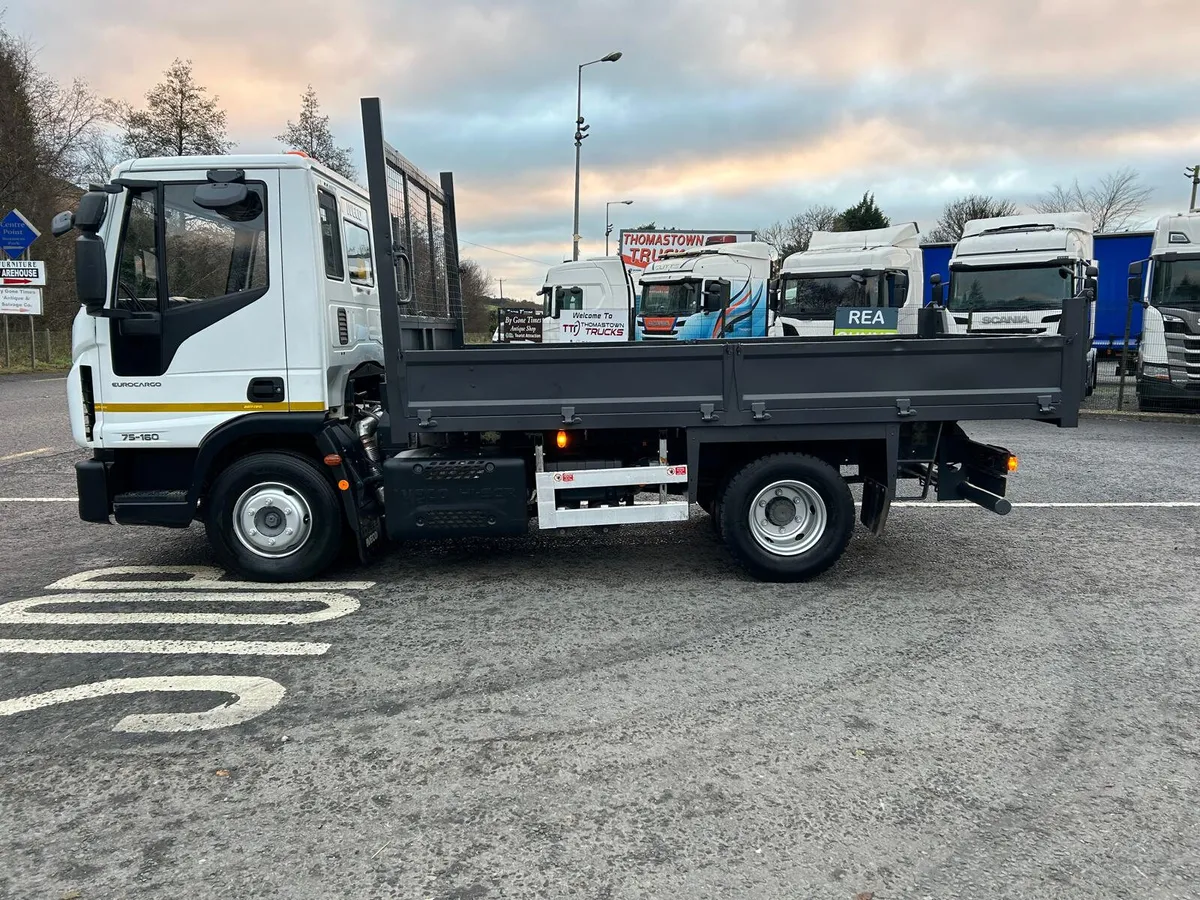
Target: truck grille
column 1183, row 352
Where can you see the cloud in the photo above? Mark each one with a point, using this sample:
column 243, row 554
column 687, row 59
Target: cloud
column 718, row 115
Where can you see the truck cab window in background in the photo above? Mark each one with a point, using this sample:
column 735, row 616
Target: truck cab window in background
column 680, row 298
column 1176, row 284
column 819, row 296
column 331, row 235
column 569, row 298
column 1040, row 287
column 213, row 253
column 358, row 253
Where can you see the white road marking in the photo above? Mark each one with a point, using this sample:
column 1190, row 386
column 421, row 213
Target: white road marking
column 160, row 648
column 39, row 499
column 25, row 453
column 253, row 697
column 200, row 578
column 45, row 380
column 26, row 612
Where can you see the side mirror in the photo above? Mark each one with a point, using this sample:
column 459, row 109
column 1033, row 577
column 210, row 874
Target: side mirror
column 939, row 291
column 91, row 272
column 89, row 215
column 1090, row 280
column 716, row 295
column 773, row 295
column 62, row 223
column 1135, row 282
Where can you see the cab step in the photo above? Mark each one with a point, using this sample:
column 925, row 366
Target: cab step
column 170, row 509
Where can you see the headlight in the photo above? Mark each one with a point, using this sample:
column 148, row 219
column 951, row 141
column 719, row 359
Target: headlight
column 1157, row 372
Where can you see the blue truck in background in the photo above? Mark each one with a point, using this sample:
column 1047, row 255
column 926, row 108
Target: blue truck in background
column 1114, row 253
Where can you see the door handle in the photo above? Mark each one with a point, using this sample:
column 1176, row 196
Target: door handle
column 265, row 390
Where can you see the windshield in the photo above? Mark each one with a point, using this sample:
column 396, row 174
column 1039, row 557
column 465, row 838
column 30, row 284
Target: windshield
column 974, row 290
column 679, row 298
column 818, row 296
column 1176, row 283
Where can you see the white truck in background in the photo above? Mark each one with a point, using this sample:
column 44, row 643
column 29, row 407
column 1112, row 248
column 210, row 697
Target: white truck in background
column 880, row 267
column 1011, row 274
column 1169, row 364
column 583, row 301
column 713, row 292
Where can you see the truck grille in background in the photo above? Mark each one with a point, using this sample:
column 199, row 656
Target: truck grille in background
column 89, row 400
column 343, row 328
column 1183, row 352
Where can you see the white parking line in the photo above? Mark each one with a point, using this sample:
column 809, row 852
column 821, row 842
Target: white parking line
column 24, row 453
column 27, row 612
column 199, row 578
column 909, row 504
column 253, row 696
column 160, row 648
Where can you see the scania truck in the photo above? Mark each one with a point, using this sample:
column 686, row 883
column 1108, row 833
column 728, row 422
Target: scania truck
column 266, row 348
column 1168, row 372
column 1011, row 274
column 877, row 268
column 706, row 293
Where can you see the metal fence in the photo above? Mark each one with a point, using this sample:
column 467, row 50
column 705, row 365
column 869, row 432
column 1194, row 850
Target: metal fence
column 28, row 350
column 1175, row 389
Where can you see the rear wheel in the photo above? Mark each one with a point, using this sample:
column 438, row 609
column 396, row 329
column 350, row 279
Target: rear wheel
column 787, row 517
column 274, row 517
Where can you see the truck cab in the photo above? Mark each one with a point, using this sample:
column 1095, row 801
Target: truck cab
column 231, row 304
column 1011, row 274
column 1169, row 364
column 714, row 292
column 583, row 301
column 881, row 267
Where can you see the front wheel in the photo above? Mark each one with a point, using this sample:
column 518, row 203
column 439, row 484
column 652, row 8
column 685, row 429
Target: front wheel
column 787, row 517
column 274, row 517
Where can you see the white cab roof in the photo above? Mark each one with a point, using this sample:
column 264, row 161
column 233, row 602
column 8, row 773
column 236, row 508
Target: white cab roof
column 906, row 235
column 1075, row 221
column 1179, row 232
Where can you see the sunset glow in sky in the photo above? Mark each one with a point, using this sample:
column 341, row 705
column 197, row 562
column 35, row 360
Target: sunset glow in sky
column 719, row 115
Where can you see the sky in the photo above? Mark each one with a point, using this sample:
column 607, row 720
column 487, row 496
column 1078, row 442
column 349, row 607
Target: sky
column 718, row 116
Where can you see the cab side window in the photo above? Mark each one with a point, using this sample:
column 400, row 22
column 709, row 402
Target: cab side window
column 358, row 253
column 137, row 284
column 331, row 235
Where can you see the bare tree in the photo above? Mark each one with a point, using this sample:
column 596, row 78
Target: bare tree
column 311, row 134
column 793, row 235
column 476, row 288
column 958, row 213
column 43, row 126
column 180, row 119
column 1113, row 203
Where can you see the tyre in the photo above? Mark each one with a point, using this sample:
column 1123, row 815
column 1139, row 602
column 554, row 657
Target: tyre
column 274, row 517
column 1092, row 380
column 787, row 517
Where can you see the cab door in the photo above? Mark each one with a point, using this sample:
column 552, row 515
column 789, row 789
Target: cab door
column 204, row 338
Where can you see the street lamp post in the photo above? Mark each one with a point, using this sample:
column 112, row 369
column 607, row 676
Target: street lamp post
column 580, row 134
column 607, row 227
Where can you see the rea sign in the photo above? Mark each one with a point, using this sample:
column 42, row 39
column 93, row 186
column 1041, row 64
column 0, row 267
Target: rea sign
column 866, row 320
